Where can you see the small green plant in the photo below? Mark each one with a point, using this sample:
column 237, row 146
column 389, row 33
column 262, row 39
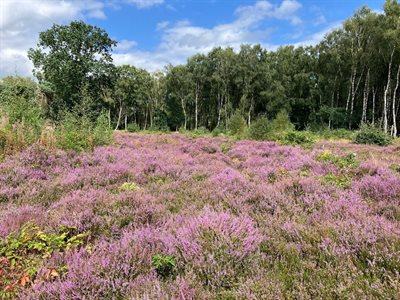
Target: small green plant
column 23, row 252
column 102, row 132
column 218, row 131
column 342, row 162
column 164, row 265
column 395, row 168
column 129, row 186
column 301, row 138
column 260, row 129
column 133, row 127
column 282, row 122
column 370, row 134
column 342, row 180
column 237, row 124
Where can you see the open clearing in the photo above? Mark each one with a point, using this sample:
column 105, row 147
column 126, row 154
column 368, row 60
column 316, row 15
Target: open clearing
column 163, row 216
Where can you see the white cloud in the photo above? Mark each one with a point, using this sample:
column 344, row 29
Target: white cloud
column 22, row 20
column 316, row 37
column 183, row 39
column 162, row 25
column 125, row 45
column 145, row 3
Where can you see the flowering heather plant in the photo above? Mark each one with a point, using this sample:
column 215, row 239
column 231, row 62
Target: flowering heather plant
column 170, row 216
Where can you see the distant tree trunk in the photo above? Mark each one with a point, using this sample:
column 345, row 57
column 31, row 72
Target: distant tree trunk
column 250, row 109
column 184, row 113
column 196, row 103
column 365, row 99
column 126, row 122
column 385, row 95
column 219, row 109
column 374, row 90
column 352, row 80
column 353, row 96
column 119, row 116
column 332, row 100
column 394, row 103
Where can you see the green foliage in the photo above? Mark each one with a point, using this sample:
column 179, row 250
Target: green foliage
column 164, row 265
column 348, row 161
column 334, row 134
column 26, row 249
column 302, row 138
column 129, row 186
column 237, row 124
column 260, row 129
column 70, row 57
column 74, row 133
column 282, row 122
column 133, row 127
column 102, row 132
column 395, row 168
column 370, row 134
column 201, row 131
column 79, row 133
column 218, row 131
column 341, row 180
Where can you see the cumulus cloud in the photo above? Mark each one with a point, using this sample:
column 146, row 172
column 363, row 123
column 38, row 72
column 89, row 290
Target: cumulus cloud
column 316, row 37
column 22, row 20
column 181, row 40
column 145, row 3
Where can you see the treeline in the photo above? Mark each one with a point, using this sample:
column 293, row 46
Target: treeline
column 351, row 77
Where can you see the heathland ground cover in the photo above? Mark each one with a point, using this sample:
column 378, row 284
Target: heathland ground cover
column 171, row 216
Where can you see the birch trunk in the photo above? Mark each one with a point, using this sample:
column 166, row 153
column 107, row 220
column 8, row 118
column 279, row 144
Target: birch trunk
column 365, row 99
column 385, row 95
column 196, row 101
column 394, row 114
column 219, row 110
column 119, row 116
column 373, row 104
column 184, row 113
column 353, row 96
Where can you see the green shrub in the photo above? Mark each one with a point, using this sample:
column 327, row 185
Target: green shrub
column 237, row 124
column 27, row 249
column 201, row 131
column 282, row 122
column 370, row 134
column 74, row 133
column 260, row 129
column 79, row 133
column 102, row 131
column 302, row 138
column 340, row 133
column 133, row 127
column 218, row 131
column 164, row 265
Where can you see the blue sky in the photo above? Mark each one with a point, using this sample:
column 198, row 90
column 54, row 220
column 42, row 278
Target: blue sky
column 153, row 33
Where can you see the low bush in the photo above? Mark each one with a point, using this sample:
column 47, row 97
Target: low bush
column 260, row 129
column 301, row 138
column 133, row 127
column 78, row 133
column 370, row 134
column 333, row 134
column 281, row 122
column 237, row 124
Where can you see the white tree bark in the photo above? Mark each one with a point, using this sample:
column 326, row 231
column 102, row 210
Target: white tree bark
column 365, row 99
column 374, row 90
column 385, row 95
column 394, row 114
column 196, row 104
column 119, row 115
